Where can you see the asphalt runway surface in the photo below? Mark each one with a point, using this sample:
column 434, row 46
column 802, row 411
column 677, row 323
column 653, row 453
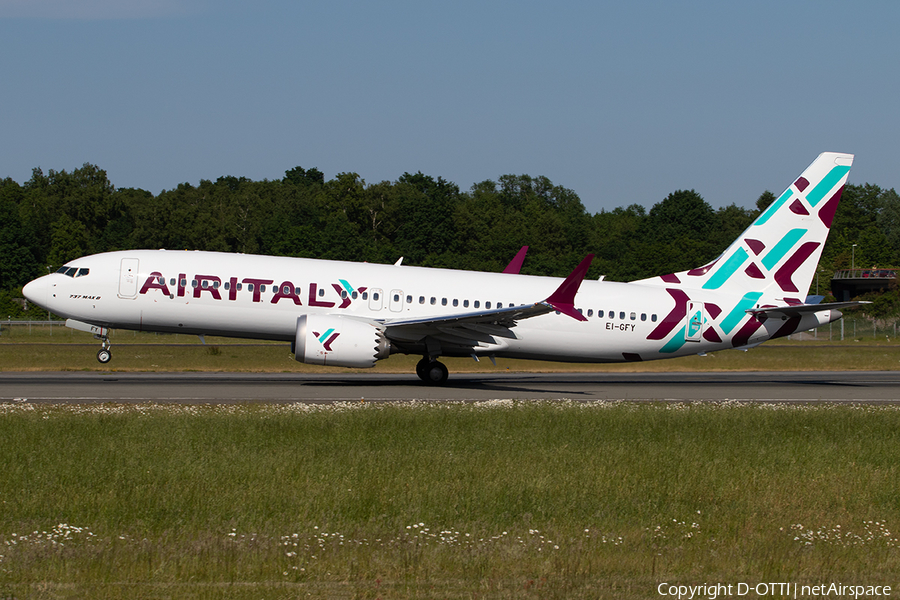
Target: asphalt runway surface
column 227, row 388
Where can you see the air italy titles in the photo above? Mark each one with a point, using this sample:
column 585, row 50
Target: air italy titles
column 769, row 589
column 212, row 284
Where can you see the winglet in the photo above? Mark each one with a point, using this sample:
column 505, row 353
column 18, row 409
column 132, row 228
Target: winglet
column 515, row 265
column 563, row 299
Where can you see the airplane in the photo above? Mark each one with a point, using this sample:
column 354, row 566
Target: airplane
column 354, row 314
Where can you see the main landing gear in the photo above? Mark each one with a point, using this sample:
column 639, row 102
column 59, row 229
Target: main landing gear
column 432, row 372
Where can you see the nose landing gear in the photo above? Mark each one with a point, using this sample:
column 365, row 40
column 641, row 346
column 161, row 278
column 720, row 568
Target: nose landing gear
column 104, row 355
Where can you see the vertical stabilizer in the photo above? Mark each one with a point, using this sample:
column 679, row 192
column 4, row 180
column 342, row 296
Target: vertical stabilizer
column 777, row 255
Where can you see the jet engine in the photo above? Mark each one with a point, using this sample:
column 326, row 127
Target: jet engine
column 339, row 341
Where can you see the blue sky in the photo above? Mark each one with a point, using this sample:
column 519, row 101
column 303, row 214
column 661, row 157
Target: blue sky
column 622, row 102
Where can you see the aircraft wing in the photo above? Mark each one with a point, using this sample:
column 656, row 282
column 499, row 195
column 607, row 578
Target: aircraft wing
column 802, row 309
column 480, row 329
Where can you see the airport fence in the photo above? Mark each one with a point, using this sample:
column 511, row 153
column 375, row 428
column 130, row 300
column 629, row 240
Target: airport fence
column 9, row 327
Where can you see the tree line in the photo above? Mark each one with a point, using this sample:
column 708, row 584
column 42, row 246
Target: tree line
column 58, row 216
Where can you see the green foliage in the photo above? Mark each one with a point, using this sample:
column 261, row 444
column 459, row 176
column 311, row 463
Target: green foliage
column 765, row 200
column 885, row 304
column 55, row 217
column 17, row 262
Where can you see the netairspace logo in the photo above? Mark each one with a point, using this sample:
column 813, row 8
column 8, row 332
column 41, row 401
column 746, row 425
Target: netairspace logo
column 779, row 589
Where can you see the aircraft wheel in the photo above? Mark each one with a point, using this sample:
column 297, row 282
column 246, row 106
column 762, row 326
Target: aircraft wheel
column 104, row 355
column 436, row 373
column 421, row 369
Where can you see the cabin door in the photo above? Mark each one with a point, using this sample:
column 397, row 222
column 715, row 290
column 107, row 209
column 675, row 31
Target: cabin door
column 128, row 278
column 693, row 330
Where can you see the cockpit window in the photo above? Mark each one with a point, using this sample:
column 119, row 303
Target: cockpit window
column 73, row 271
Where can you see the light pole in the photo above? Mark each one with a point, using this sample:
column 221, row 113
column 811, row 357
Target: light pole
column 852, row 258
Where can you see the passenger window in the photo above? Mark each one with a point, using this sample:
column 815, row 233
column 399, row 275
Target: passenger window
column 633, row 316
column 286, row 290
column 455, row 302
column 487, row 304
column 409, row 299
column 365, row 295
column 227, row 285
column 477, row 304
column 443, row 302
column 653, row 318
column 343, row 294
column 262, row 287
column 465, row 304
column 376, row 296
column 599, row 314
column 240, row 286
column 396, row 297
column 612, row 314
column 354, row 295
column 297, row 291
column 321, row 292
column 184, row 283
column 421, row 299
column 643, row 316
column 590, row 312
column 499, row 305
column 580, row 312
column 622, row 315
column 433, row 300
column 194, row 283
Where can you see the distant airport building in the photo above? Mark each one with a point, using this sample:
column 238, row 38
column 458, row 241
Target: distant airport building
column 850, row 283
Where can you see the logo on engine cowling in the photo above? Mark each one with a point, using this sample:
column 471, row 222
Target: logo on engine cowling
column 327, row 338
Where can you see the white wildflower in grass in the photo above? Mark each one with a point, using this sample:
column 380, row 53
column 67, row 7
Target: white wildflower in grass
column 301, row 408
column 875, row 533
column 58, row 536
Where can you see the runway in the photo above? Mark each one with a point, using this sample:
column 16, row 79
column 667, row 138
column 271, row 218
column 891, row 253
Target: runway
column 228, row 388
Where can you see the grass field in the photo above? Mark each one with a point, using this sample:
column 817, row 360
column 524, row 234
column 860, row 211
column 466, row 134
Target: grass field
column 492, row 500
column 501, row 499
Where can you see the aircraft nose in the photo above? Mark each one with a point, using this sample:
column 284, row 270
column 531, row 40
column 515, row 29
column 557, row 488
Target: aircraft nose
column 36, row 291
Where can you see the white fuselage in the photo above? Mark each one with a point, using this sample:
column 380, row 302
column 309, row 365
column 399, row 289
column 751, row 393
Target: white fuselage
column 261, row 297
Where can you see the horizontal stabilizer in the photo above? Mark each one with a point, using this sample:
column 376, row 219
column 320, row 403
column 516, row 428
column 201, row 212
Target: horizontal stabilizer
column 802, row 309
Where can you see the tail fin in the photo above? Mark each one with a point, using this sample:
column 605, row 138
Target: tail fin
column 779, row 252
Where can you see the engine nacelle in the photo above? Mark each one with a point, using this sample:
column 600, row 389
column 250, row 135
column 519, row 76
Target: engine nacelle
column 339, row 341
